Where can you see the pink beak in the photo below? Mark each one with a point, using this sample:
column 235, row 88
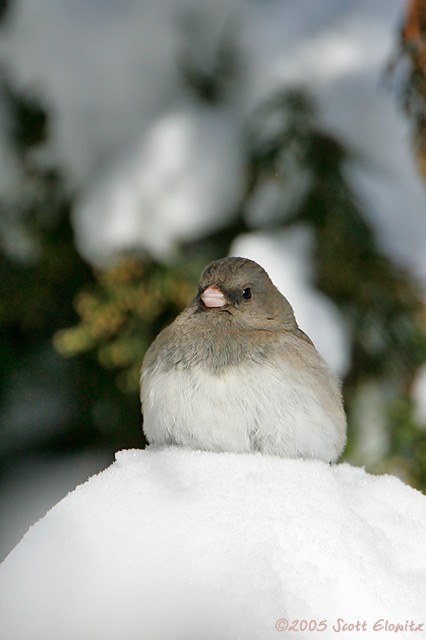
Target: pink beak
column 212, row 296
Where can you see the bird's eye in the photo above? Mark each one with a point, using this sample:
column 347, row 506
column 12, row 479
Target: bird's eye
column 247, row 294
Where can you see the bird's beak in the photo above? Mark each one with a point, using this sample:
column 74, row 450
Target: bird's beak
column 212, row 296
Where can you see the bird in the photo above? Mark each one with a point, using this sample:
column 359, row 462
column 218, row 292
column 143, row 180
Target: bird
column 235, row 373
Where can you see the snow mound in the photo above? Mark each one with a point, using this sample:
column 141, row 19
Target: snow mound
column 187, row 545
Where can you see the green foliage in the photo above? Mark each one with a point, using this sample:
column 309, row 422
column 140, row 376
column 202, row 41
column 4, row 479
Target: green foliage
column 121, row 312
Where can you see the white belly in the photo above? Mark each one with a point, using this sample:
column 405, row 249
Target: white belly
column 264, row 409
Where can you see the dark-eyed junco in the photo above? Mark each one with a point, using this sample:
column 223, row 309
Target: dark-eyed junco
column 234, row 372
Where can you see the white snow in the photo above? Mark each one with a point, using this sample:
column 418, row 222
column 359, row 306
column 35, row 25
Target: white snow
column 166, row 181
column 154, row 166
column 178, row 544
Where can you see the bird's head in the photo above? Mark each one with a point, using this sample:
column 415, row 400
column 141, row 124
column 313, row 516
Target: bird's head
column 242, row 289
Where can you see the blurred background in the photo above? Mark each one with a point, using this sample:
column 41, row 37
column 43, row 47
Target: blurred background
column 140, row 140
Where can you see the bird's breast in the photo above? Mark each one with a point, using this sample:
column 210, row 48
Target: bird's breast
column 216, row 349
column 246, row 407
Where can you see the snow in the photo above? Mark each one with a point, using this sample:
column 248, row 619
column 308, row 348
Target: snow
column 147, row 157
column 172, row 543
column 162, row 183
column 340, row 50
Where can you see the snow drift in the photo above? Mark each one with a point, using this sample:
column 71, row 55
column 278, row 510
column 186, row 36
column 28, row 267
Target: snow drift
column 187, row 545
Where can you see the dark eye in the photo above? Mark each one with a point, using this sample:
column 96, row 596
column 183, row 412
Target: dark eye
column 247, row 294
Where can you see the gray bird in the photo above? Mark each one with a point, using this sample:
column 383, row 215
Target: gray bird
column 234, row 372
